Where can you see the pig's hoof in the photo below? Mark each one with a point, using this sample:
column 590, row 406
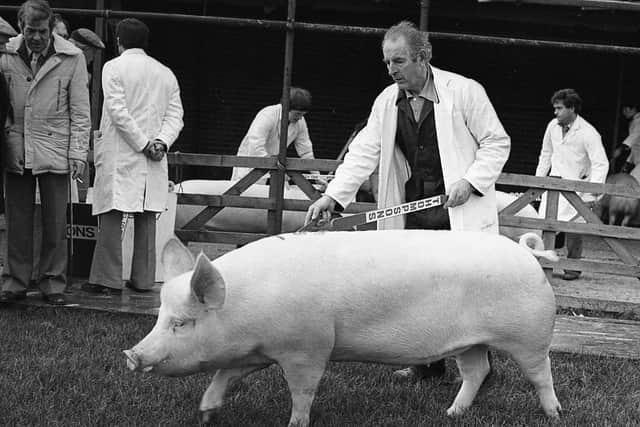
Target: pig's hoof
column 455, row 411
column 208, row 417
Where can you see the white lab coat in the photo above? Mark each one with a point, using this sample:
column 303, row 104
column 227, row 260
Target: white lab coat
column 578, row 155
column 141, row 103
column 471, row 141
column 263, row 138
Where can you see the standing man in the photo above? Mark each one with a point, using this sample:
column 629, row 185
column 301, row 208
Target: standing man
column 571, row 149
column 263, row 137
column 6, row 32
column 141, row 118
column 430, row 132
column 627, row 155
column 46, row 141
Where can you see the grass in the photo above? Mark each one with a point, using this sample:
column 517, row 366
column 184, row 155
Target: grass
column 61, row 367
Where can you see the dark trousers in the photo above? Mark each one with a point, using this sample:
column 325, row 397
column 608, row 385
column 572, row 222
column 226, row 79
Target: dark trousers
column 19, row 207
column 106, row 266
column 574, row 245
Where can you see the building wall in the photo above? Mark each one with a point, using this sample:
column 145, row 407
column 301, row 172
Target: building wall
column 228, row 73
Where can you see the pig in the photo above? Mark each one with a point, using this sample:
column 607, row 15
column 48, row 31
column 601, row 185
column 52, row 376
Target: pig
column 618, row 209
column 502, row 201
column 392, row 297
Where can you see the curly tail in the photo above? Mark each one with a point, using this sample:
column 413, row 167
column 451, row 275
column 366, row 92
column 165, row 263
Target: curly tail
column 534, row 243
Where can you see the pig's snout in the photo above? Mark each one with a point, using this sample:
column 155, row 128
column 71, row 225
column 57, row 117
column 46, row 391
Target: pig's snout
column 134, row 363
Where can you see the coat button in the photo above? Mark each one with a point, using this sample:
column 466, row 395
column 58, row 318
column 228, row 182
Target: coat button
column 29, row 78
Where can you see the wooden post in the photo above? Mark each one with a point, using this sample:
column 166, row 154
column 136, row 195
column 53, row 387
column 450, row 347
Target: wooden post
column 276, row 188
column 616, row 121
column 424, row 15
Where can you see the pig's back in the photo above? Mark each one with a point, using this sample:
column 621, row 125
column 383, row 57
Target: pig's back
column 383, row 290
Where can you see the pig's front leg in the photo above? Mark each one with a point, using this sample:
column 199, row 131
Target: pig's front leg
column 303, row 373
column 213, row 398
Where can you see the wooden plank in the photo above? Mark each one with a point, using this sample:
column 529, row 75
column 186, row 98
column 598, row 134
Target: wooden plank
column 593, row 266
column 599, row 292
column 224, row 160
column 618, row 247
column 304, row 185
column 225, row 201
column 517, row 205
column 550, row 183
column 218, row 236
column 597, row 336
column 592, row 229
column 238, row 188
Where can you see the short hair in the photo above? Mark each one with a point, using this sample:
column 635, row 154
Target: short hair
column 569, row 98
column 132, row 33
column 299, row 99
column 56, row 17
column 416, row 40
column 631, row 103
column 37, row 10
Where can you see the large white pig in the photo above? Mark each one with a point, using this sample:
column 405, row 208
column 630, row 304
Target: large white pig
column 395, row 297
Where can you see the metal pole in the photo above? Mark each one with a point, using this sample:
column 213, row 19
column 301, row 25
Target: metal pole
column 342, row 29
column 276, row 189
column 424, row 15
column 616, row 122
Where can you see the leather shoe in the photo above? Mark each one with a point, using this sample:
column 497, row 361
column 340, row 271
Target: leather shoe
column 130, row 285
column 95, row 289
column 10, row 296
column 421, row 372
column 570, row 275
column 55, row 299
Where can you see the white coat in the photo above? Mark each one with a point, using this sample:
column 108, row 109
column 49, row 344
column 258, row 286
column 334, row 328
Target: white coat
column 472, row 144
column 578, row 155
column 263, row 138
column 141, row 103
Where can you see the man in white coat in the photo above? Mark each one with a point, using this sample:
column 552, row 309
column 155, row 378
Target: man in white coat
column 141, row 118
column 263, row 137
column 430, row 132
column 571, row 149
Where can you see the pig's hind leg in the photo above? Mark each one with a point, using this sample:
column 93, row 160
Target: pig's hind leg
column 537, row 368
column 474, row 367
column 213, row 397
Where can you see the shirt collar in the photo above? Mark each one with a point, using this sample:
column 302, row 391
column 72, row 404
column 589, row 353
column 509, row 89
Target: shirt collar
column 428, row 91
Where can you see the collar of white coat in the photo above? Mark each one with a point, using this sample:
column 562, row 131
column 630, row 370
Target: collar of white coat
column 61, row 46
column 133, row 51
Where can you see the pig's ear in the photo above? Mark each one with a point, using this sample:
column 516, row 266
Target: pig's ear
column 207, row 285
column 176, row 259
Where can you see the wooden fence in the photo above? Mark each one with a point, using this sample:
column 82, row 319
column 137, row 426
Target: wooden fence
column 532, row 188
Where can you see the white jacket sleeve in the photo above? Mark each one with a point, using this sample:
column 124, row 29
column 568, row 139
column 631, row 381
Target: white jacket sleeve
column 360, row 161
column 544, row 160
column 493, row 142
column 115, row 104
column 172, row 121
column 303, row 145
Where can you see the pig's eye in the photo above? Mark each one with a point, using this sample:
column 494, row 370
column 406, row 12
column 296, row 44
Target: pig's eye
column 177, row 323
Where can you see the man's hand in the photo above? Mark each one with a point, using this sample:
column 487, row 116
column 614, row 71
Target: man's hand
column 320, row 208
column 76, row 168
column 459, row 193
column 160, row 150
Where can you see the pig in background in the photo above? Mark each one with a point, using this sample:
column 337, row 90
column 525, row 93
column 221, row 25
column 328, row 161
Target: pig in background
column 617, row 210
column 394, row 297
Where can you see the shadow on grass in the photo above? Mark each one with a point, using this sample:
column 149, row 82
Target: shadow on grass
column 65, row 368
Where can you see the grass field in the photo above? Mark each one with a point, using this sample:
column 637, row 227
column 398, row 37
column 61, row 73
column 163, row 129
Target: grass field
column 60, row 367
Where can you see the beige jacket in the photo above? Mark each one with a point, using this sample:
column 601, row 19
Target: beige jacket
column 51, row 119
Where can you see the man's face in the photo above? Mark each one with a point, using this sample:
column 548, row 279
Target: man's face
column 409, row 74
column 36, row 34
column 563, row 114
column 295, row 115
